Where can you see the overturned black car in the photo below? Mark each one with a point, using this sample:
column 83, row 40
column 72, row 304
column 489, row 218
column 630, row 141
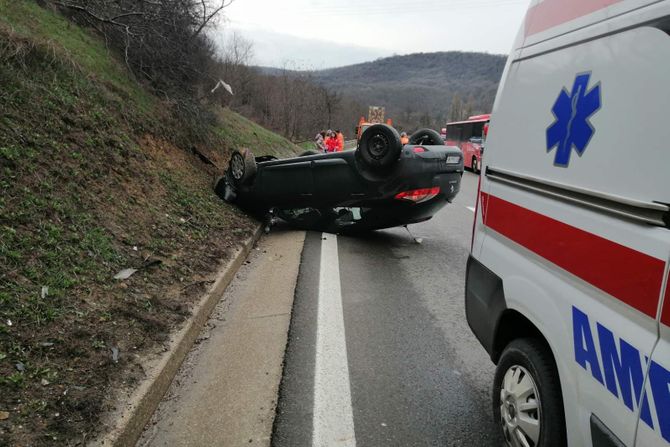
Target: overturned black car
column 379, row 185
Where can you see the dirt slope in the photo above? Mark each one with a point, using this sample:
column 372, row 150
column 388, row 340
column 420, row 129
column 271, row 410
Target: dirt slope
column 95, row 177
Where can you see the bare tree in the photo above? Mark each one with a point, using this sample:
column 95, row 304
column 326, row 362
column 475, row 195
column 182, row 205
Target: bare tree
column 331, row 100
column 161, row 40
column 456, row 110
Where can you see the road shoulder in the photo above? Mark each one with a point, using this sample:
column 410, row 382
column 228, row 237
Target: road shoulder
column 226, row 391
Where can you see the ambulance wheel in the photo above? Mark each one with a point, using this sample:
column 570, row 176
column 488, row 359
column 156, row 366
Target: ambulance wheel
column 242, row 167
column 379, row 147
column 527, row 399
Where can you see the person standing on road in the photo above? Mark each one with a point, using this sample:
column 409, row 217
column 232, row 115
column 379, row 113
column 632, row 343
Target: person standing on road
column 331, row 142
column 319, row 141
column 404, row 139
column 340, row 140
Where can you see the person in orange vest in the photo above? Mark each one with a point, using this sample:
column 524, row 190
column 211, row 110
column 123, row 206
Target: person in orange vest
column 331, row 142
column 340, row 140
column 404, row 139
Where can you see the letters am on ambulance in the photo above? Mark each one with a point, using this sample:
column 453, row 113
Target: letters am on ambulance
column 622, row 367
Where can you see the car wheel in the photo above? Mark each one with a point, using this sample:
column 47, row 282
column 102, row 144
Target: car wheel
column 475, row 165
column 308, row 153
column 379, row 146
column 527, row 400
column 242, row 167
column 427, row 137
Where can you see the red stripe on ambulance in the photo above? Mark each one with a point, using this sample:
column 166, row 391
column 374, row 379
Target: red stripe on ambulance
column 551, row 13
column 628, row 275
column 665, row 315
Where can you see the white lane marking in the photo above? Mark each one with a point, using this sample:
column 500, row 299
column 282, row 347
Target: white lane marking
column 333, row 421
column 471, row 208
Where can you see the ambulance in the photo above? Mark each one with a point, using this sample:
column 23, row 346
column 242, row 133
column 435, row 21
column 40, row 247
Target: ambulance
column 567, row 281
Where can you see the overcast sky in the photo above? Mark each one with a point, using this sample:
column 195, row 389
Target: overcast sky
column 316, row 34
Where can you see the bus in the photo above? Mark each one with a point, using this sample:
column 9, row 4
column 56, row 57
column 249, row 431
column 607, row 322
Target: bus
column 469, row 136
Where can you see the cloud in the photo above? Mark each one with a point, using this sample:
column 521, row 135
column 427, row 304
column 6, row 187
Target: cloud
column 274, row 49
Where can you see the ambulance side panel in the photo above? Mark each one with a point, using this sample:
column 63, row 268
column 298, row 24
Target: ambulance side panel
column 589, row 280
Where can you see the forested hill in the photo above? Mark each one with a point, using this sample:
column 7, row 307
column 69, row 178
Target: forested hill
column 418, row 86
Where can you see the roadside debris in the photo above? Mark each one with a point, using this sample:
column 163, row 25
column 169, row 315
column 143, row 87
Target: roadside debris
column 417, row 240
column 4, row 415
column 45, row 292
column 125, row 274
column 115, row 354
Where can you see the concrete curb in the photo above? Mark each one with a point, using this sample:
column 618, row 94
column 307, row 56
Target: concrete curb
column 131, row 420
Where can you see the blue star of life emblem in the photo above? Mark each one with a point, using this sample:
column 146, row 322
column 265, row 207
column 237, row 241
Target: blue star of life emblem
column 572, row 127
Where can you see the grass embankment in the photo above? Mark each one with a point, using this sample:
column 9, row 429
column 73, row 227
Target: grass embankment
column 94, row 179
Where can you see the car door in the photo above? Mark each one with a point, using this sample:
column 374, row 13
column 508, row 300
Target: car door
column 288, row 184
column 335, row 181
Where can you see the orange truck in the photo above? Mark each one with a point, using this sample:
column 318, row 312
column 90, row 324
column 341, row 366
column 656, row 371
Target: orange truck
column 375, row 116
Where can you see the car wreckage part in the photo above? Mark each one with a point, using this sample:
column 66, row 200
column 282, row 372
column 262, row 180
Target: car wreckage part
column 309, row 152
column 427, row 137
column 379, row 147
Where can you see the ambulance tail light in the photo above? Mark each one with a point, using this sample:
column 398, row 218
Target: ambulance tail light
column 418, row 195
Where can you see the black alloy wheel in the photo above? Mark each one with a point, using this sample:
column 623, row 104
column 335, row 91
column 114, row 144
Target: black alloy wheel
column 242, row 167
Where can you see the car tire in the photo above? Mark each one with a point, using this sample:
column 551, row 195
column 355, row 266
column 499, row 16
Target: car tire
column 308, row 153
column 526, row 375
column 426, row 137
column 379, row 147
column 475, row 165
column 242, row 167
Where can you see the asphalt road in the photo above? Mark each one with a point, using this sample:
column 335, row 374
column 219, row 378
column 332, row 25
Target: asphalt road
column 379, row 351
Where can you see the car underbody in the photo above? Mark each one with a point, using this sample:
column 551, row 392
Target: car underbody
column 381, row 184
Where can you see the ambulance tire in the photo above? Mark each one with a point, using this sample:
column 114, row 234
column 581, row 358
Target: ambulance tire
column 533, row 356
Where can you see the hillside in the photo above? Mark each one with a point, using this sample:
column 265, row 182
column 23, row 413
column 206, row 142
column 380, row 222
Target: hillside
column 97, row 175
column 422, row 83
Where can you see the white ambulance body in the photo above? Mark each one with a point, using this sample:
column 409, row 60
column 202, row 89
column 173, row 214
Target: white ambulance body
column 567, row 283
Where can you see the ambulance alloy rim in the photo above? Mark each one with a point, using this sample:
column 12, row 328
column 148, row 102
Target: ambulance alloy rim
column 520, row 408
